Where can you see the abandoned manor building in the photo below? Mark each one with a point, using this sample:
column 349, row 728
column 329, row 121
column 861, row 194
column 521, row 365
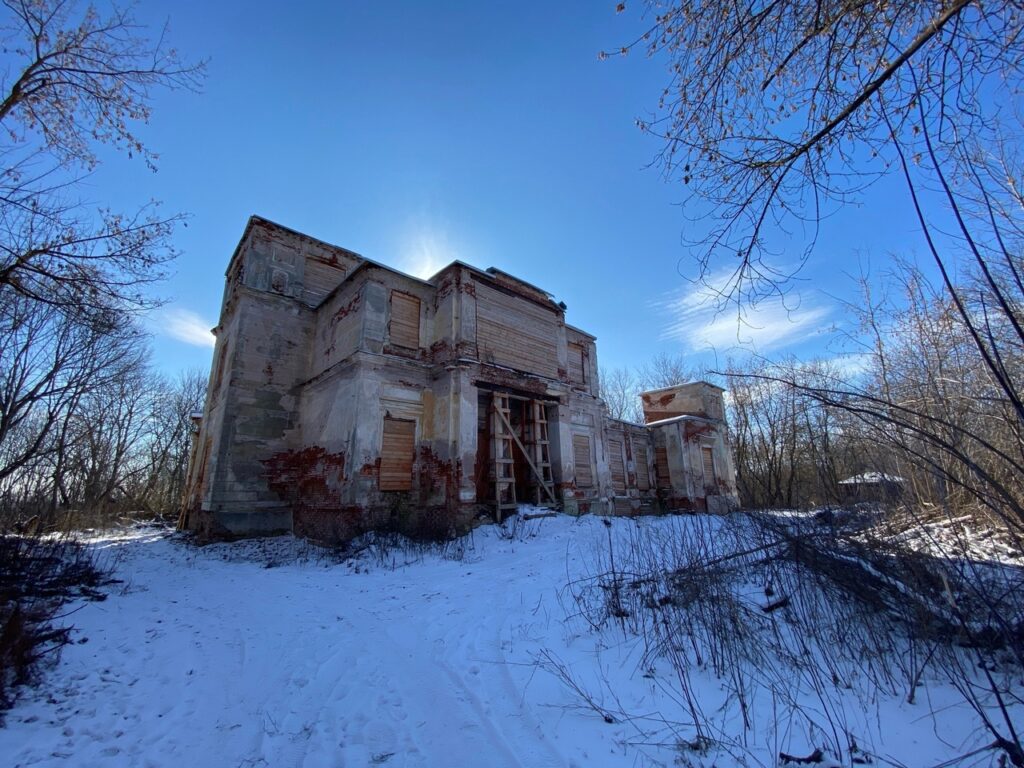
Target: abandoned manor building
column 346, row 394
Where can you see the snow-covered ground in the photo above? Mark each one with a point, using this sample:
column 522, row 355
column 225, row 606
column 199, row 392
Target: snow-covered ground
column 208, row 657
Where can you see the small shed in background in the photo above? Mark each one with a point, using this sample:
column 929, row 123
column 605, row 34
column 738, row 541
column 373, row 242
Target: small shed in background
column 872, row 486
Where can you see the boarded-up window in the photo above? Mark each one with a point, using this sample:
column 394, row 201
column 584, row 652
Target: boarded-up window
column 577, row 364
column 405, row 320
column 661, row 467
column 581, row 458
column 643, row 474
column 617, row 465
column 516, row 332
column 319, row 279
column 709, row 466
column 396, row 454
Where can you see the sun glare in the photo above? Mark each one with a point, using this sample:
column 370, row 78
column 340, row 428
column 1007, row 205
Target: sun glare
column 425, row 253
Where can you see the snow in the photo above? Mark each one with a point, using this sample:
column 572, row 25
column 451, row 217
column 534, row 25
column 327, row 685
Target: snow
column 872, row 478
column 275, row 653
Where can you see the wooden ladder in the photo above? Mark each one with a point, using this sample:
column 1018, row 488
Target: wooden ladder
column 501, row 451
column 541, row 451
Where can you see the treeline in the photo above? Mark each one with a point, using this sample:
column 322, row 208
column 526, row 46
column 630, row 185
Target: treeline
column 88, row 431
column 789, row 451
column 930, row 396
column 880, row 603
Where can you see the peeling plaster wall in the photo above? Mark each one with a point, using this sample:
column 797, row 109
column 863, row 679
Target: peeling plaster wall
column 251, row 413
column 278, row 260
column 629, row 499
column 684, row 440
column 584, row 416
column 339, row 329
column 362, row 375
column 697, row 398
column 266, row 329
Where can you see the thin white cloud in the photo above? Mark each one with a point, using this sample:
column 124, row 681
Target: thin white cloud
column 185, row 325
column 694, row 316
column 851, row 365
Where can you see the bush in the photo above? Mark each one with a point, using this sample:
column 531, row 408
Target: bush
column 37, row 576
column 810, row 622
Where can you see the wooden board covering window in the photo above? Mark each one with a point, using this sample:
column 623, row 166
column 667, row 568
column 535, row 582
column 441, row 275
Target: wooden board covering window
column 617, row 465
column 709, row 465
column 405, row 320
column 319, row 279
column 581, row 458
column 661, row 467
column 516, row 332
column 396, row 454
column 577, row 368
column 643, row 474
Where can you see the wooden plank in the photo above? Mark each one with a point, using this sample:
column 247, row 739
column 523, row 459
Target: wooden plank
column 516, row 333
column 398, row 449
column 404, row 326
column 533, row 467
column 708, row 458
column 616, row 464
column 577, row 369
column 582, row 461
column 320, row 279
column 643, row 472
column 661, row 467
column 504, row 464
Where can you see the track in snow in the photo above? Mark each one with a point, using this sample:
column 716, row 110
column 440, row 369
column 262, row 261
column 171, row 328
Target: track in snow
column 206, row 661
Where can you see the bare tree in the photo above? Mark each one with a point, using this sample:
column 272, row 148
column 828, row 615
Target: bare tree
column 774, row 112
column 105, row 444
column 87, row 431
column 161, row 482
column 931, row 398
column 667, row 370
column 778, row 113
column 76, row 409
column 790, row 450
column 620, row 391
column 75, row 79
column 50, row 359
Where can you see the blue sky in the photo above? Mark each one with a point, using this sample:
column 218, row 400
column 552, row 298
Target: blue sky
column 417, row 133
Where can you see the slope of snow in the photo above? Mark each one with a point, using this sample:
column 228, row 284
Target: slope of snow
column 208, row 657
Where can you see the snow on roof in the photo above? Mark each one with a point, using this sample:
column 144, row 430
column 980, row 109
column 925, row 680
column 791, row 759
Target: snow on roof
column 684, row 417
column 871, row 478
column 682, row 384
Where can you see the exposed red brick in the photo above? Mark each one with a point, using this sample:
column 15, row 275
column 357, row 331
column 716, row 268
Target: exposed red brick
column 308, row 479
column 435, row 472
